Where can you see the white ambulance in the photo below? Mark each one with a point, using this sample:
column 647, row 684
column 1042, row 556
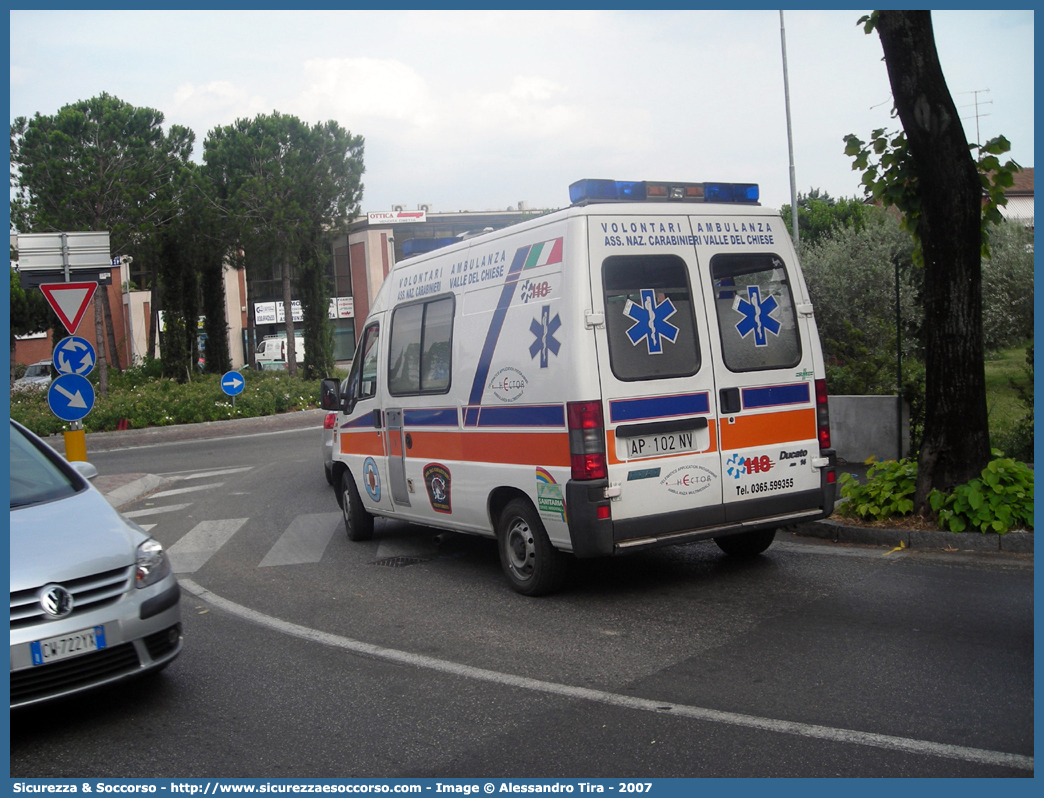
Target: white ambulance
column 640, row 369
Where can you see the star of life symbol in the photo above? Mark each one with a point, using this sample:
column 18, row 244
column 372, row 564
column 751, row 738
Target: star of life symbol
column 544, row 329
column 651, row 321
column 757, row 316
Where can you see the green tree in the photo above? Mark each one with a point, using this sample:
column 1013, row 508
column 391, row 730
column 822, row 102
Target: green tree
column 819, row 215
column 98, row 164
column 851, row 274
column 1007, row 287
column 30, row 313
column 285, row 187
column 928, row 173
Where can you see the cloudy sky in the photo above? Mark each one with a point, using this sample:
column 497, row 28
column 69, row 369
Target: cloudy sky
column 475, row 110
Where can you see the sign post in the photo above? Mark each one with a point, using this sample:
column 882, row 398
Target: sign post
column 43, row 257
column 232, row 383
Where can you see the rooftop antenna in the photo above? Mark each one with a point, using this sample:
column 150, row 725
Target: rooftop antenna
column 976, row 103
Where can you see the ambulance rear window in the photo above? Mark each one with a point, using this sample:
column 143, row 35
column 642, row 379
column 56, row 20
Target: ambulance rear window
column 419, row 352
column 649, row 317
column 755, row 310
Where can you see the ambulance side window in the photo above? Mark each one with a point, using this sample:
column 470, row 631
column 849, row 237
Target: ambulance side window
column 755, row 309
column 649, row 317
column 362, row 379
column 368, row 375
column 419, row 354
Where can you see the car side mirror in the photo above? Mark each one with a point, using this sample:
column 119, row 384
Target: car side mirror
column 84, row 469
column 330, row 394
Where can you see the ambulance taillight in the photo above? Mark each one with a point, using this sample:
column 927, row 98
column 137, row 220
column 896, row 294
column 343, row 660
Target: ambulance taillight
column 822, row 415
column 586, row 440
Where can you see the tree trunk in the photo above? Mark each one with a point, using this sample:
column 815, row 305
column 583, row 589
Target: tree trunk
column 99, row 339
column 154, row 307
column 110, row 330
column 956, row 445
column 291, row 344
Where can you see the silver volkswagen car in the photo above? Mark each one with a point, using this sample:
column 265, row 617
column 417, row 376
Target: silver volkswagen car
column 93, row 598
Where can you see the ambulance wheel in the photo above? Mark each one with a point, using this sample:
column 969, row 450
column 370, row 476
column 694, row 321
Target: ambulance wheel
column 357, row 522
column 532, row 565
column 746, row 544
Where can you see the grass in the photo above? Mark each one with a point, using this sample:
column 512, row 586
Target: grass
column 1002, row 399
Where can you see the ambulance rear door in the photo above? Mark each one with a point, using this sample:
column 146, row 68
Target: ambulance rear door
column 657, row 379
column 763, row 360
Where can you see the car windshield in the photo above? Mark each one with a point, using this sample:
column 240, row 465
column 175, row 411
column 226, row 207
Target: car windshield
column 38, row 370
column 34, row 478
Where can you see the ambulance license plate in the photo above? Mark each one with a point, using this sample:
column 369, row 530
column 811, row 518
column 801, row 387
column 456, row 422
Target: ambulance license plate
column 660, row 445
column 66, row 646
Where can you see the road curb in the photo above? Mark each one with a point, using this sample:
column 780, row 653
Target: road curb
column 838, row 532
column 133, row 490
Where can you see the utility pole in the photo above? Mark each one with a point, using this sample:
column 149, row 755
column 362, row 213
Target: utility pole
column 790, row 137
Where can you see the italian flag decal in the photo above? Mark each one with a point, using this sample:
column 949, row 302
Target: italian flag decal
column 544, row 254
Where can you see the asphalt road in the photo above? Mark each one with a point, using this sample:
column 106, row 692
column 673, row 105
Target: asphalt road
column 310, row 656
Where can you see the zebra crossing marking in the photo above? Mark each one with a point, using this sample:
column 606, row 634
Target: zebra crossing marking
column 201, row 543
column 178, row 491
column 168, row 508
column 304, row 541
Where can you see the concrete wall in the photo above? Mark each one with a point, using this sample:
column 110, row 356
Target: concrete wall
column 864, row 426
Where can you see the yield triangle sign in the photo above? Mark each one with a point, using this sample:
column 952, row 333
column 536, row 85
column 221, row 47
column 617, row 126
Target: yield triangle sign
column 69, row 301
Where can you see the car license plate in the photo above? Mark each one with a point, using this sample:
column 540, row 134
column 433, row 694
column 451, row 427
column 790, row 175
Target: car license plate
column 72, row 645
column 660, row 445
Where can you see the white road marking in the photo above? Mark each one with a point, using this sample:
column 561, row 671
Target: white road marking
column 214, row 473
column 201, row 543
column 146, row 527
column 849, row 736
column 305, row 540
column 178, row 491
column 98, row 447
column 169, row 508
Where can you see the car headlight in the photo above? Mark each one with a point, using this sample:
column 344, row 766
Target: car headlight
column 153, row 564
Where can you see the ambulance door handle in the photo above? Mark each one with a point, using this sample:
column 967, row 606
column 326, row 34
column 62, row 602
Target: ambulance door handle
column 729, row 401
column 378, row 422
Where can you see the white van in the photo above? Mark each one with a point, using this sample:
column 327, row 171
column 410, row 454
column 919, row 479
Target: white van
column 271, row 352
column 640, row 369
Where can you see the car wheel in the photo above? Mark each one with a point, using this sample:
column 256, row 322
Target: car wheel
column 746, row 544
column 532, row 565
column 357, row 522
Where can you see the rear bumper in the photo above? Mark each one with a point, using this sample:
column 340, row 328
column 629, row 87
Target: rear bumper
column 594, row 537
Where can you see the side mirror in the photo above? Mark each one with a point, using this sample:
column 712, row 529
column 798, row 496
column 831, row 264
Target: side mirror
column 330, row 394
column 84, row 469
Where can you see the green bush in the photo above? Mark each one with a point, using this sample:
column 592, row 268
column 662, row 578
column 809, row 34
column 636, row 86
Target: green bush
column 999, row 500
column 144, row 400
column 888, row 492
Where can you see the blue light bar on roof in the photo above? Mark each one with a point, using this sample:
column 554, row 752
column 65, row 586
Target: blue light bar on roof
column 606, row 191
column 731, row 192
column 585, row 191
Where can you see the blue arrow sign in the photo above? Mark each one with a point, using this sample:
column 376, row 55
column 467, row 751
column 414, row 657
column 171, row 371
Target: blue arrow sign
column 74, row 355
column 232, row 383
column 70, row 397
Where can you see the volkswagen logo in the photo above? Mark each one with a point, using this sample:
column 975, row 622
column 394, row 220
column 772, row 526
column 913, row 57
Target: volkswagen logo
column 56, row 601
